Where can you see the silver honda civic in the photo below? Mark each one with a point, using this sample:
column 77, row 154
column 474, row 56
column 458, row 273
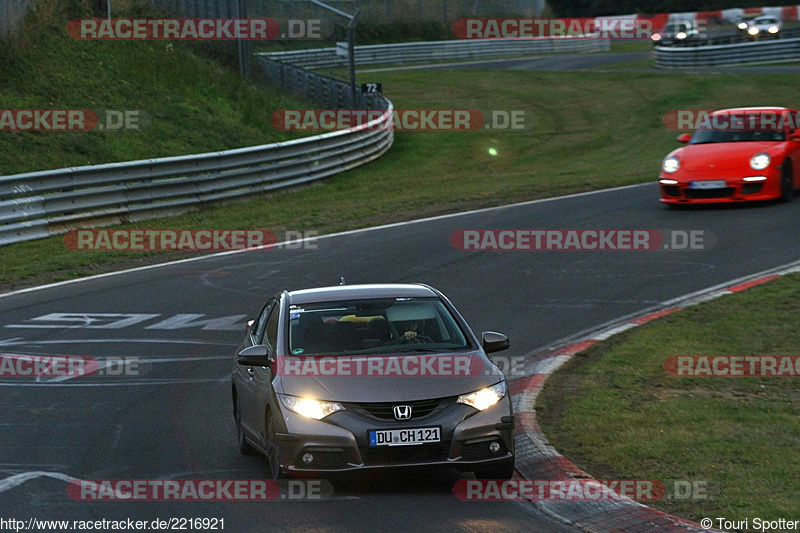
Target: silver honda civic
column 360, row 377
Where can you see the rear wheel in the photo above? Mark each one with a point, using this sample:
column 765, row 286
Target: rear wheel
column 244, row 447
column 498, row 471
column 787, row 183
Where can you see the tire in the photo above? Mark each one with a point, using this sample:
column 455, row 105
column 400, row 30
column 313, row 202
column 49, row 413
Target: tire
column 244, row 447
column 787, row 183
column 503, row 470
column 273, row 458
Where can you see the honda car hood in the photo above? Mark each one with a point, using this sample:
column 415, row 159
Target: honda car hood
column 389, row 388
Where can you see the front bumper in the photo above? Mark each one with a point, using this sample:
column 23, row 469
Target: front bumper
column 737, row 190
column 340, row 443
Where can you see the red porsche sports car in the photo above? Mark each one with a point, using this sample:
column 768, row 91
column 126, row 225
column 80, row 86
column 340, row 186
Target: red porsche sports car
column 735, row 155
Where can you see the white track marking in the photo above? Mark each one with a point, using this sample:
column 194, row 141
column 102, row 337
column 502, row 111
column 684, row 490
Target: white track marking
column 18, row 479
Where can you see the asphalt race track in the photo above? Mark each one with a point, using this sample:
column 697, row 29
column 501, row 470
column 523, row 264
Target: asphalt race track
column 184, row 320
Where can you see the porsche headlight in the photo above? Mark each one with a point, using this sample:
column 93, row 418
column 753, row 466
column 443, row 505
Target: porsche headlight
column 484, row 398
column 681, row 35
column 773, row 29
column 760, row 161
column 670, row 164
column 753, row 31
column 309, row 407
column 742, row 26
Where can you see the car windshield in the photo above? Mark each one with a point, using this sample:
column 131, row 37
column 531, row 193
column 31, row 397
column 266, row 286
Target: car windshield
column 675, row 28
column 374, row 326
column 731, row 130
column 767, row 20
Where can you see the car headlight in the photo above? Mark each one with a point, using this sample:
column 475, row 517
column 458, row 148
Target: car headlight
column 309, row 407
column 753, row 31
column 656, row 36
column 484, row 398
column 671, row 164
column 760, row 161
column 742, row 26
column 773, row 29
column 681, row 35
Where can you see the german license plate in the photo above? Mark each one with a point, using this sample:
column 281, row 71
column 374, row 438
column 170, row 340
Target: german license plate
column 708, row 184
column 404, row 437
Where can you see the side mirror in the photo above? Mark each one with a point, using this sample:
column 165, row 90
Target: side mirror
column 254, row 356
column 494, row 342
column 684, row 138
column 249, row 326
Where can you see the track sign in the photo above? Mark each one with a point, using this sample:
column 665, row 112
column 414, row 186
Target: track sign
column 372, row 88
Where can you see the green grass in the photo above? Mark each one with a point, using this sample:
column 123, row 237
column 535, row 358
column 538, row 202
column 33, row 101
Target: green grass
column 638, row 64
column 593, row 130
column 631, row 45
column 194, row 103
column 615, row 412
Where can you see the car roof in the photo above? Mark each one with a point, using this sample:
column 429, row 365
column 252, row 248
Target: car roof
column 359, row 292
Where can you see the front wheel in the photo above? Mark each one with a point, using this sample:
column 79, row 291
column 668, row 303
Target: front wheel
column 273, row 455
column 503, row 470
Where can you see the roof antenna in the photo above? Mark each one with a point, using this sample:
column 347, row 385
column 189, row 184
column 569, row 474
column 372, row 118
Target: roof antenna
column 342, row 281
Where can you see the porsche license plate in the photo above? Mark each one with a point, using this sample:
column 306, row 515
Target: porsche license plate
column 708, row 184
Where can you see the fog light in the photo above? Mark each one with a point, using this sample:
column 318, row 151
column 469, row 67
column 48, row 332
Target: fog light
column 308, row 458
column 494, row 447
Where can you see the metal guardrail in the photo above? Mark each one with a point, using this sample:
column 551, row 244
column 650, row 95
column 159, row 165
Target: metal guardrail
column 403, row 53
column 39, row 204
column 727, row 51
column 325, row 91
column 737, row 37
